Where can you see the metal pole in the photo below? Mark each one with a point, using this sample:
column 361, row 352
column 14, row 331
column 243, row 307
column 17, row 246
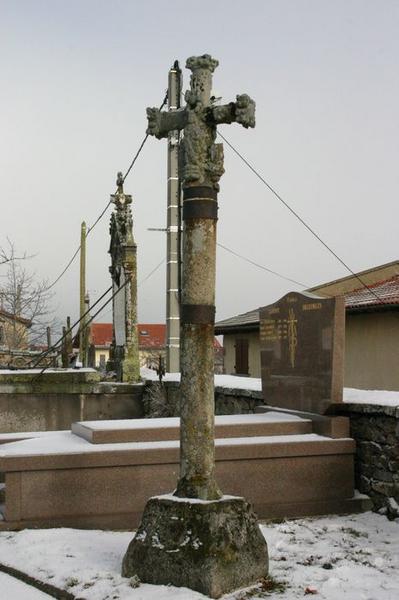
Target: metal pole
column 82, row 290
column 173, row 232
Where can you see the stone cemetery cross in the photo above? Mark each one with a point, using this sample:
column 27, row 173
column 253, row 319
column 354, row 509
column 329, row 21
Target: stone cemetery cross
column 198, row 538
column 202, row 166
column 124, row 353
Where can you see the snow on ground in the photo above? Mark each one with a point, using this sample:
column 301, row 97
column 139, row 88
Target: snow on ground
column 13, row 589
column 66, row 442
column 170, row 422
column 381, row 397
column 229, row 381
column 351, row 557
column 49, row 370
column 351, row 395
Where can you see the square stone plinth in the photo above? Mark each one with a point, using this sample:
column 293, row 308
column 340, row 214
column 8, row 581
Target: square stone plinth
column 212, row 547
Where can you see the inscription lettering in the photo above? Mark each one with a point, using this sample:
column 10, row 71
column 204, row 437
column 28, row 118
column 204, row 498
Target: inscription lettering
column 301, row 352
column 312, row 306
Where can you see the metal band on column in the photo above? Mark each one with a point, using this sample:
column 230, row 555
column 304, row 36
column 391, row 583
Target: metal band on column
column 200, row 202
column 197, row 314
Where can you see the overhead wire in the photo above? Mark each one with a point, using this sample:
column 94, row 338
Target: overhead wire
column 297, row 216
column 140, row 283
column 69, row 330
column 252, row 262
column 87, row 323
column 108, row 204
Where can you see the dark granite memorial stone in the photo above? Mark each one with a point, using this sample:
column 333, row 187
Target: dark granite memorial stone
column 302, row 340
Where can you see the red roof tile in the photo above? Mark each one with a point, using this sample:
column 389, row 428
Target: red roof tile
column 379, row 294
column 101, row 334
column 151, row 335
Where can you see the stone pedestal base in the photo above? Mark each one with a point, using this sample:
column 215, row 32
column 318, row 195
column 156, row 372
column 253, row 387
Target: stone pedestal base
column 212, row 547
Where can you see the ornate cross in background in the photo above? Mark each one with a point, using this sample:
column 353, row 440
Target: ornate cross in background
column 124, row 351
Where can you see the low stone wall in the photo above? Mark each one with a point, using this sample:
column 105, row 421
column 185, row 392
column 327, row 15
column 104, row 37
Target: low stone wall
column 376, row 431
column 41, row 411
column 164, row 400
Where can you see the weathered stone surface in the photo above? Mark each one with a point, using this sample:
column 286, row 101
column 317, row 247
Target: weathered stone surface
column 212, row 547
column 392, row 509
column 37, row 411
column 227, row 550
column 375, row 429
column 59, row 377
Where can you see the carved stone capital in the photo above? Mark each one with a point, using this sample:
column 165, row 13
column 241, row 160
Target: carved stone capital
column 202, row 62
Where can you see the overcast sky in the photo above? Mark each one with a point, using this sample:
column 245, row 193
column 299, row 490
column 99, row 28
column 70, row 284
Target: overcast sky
column 77, row 76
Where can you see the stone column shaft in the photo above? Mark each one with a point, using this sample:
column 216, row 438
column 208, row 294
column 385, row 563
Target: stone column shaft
column 197, row 460
column 131, row 361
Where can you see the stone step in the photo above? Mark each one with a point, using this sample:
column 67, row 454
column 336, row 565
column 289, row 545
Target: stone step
column 108, row 484
column 271, row 423
column 332, row 426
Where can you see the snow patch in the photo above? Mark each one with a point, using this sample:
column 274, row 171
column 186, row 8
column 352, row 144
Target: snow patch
column 380, row 397
column 352, row 557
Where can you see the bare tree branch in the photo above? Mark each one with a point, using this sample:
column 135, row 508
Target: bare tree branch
column 27, row 302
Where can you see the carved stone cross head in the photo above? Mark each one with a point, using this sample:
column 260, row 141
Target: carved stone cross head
column 202, row 159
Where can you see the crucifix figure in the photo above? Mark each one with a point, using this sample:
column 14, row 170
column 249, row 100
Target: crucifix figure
column 201, row 165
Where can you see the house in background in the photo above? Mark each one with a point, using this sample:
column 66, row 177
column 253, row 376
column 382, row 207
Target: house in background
column 152, row 343
column 14, row 338
column 371, row 337
column 14, row 331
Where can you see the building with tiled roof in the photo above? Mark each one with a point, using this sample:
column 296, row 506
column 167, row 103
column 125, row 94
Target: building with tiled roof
column 151, row 335
column 152, row 343
column 371, row 338
column 383, row 295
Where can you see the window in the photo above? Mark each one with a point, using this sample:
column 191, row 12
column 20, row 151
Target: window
column 241, row 348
